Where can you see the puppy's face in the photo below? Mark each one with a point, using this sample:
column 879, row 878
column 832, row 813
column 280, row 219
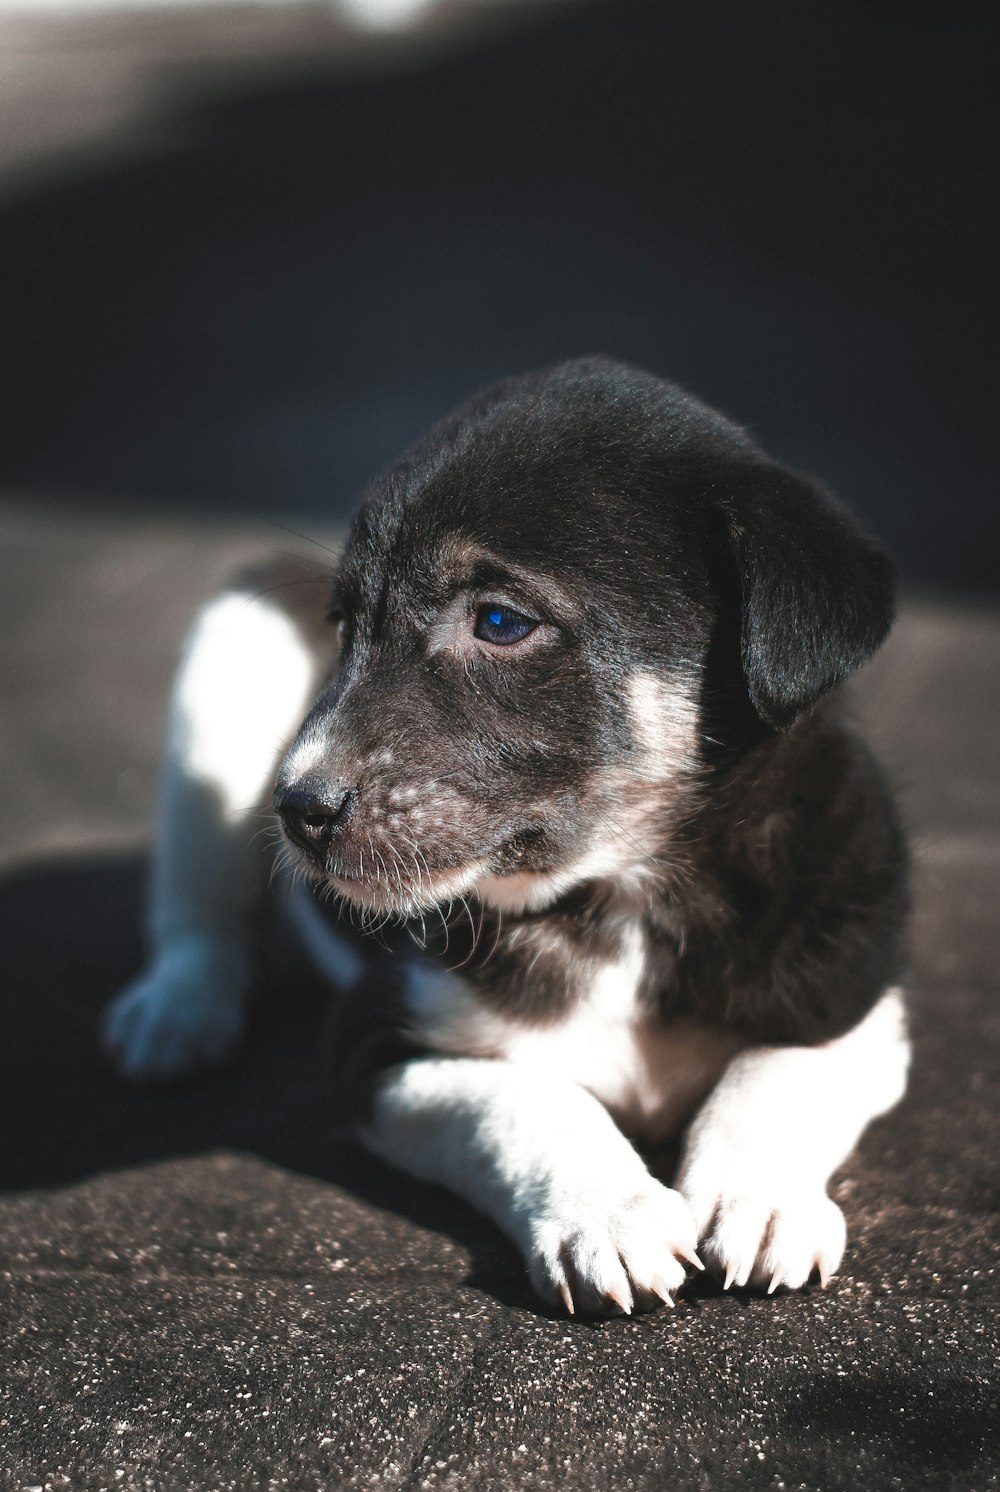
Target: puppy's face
column 517, row 689
column 525, row 608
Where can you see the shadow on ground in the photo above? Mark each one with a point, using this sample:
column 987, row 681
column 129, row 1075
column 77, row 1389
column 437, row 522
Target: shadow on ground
column 69, row 940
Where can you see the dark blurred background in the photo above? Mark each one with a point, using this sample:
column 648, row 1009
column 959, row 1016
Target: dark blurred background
column 248, row 255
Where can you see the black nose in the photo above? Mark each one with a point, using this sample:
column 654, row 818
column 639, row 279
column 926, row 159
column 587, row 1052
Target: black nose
column 312, row 814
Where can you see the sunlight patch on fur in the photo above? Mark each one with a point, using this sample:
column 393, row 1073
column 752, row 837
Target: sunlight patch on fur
column 245, row 681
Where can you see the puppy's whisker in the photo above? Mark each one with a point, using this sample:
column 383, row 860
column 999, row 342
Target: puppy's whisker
column 496, row 938
column 285, row 585
column 419, row 857
column 476, row 933
column 443, row 915
column 307, row 538
column 419, row 871
column 423, row 860
column 398, row 870
column 267, row 833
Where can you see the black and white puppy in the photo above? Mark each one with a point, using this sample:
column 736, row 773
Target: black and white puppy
column 570, row 683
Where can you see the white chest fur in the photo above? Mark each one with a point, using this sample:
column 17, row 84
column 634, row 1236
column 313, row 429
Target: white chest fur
column 649, row 1075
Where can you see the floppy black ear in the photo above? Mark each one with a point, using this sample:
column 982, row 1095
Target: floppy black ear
column 817, row 594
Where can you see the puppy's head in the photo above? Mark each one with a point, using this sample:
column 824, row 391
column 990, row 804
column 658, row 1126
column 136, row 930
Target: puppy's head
column 533, row 609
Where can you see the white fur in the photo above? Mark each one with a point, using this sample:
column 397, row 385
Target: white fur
column 616, row 853
column 760, row 1152
column 649, row 1075
column 547, row 1163
column 240, row 692
column 245, row 680
column 664, row 714
column 306, row 755
column 523, row 1141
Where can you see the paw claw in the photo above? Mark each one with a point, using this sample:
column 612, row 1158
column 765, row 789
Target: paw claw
column 771, row 1244
column 689, row 1256
column 661, row 1289
column 622, row 1299
column 566, row 1296
column 603, row 1250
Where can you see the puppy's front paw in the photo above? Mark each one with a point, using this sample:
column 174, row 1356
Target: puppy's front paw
column 183, row 1016
column 754, row 1238
column 608, row 1250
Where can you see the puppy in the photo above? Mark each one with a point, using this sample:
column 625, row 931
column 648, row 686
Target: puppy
column 574, row 682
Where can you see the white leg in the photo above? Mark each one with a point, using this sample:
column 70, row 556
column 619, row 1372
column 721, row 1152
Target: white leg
column 245, row 681
column 765, row 1143
column 545, row 1161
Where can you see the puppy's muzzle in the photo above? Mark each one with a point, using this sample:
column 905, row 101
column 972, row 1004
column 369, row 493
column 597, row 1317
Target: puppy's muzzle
column 314, row 813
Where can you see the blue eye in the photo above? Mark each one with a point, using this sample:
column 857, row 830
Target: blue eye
column 502, row 625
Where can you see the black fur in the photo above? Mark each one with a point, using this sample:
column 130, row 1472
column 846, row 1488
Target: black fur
column 646, row 533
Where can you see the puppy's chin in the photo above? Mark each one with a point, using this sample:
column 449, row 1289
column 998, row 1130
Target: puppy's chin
column 515, row 892
column 523, row 890
column 389, row 892
column 392, row 894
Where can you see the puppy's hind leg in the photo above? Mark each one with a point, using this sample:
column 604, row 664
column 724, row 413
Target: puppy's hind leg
column 250, row 669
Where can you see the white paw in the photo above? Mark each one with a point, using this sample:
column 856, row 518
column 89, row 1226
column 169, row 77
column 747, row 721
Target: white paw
column 606, row 1250
column 185, row 1014
column 752, row 1237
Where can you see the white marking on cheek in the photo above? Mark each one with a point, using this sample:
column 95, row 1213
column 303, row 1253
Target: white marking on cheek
column 613, row 993
column 664, row 719
column 245, row 681
column 617, row 851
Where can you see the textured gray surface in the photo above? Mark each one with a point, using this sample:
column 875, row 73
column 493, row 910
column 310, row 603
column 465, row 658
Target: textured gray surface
column 205, row 1289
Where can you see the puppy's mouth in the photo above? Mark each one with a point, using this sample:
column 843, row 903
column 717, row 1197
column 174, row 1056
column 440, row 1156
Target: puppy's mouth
column 386, row 880
column 396, row 873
